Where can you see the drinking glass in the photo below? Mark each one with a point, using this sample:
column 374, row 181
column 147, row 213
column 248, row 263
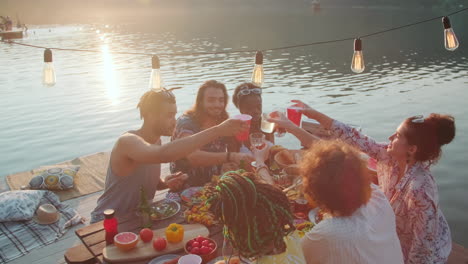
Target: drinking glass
column 295, row 115
column 256, row 140
column 280, row 132
column 267, row 127
column 243, row 136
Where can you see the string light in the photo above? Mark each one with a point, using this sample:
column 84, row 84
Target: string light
column 48, row 74
column 357, row 64
column 450, row 39
column 155, row 79
column 257, row 74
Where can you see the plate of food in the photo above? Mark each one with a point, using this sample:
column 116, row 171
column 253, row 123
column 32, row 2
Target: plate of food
column 288, row 157
column 163, row 209
column 229, row 260
column 169, row 258
column 191, row 195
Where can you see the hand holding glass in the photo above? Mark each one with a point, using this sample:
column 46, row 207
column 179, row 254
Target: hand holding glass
column 243, row 136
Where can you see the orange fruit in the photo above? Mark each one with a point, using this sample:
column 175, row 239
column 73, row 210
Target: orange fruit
column 125, row 240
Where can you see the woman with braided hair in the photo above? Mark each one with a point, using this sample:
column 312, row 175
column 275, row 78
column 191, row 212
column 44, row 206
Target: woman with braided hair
column 257, row 219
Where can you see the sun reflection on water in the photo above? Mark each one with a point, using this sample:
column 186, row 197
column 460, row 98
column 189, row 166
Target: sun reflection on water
column 112, row 86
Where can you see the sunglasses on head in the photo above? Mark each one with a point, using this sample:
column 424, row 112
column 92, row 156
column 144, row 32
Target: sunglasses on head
column 417, row 119
column 245, row 90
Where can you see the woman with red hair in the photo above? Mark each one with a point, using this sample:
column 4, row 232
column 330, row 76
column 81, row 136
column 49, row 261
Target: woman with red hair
column 403, row 169
column 358, row 223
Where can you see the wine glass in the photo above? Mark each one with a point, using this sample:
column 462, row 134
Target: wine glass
column 256, row 140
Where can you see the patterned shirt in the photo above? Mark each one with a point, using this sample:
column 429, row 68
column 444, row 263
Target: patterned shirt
column 421, row 227
column 198, row 176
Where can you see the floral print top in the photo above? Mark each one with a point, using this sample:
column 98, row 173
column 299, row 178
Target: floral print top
column 198, row 176
column 421, row 227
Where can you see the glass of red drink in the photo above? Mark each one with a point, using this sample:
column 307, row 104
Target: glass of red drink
column 295, row 114
column 243, row 136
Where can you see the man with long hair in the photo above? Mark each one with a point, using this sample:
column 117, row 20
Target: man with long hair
column 209, row 110
column 136, row 157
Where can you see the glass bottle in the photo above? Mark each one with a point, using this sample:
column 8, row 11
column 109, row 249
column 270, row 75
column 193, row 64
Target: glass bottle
column 110, row 226
column 145, row 210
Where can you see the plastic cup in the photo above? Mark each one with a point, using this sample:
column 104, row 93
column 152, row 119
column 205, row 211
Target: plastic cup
column 295, row 114
column 190, row 259
column 243, row 136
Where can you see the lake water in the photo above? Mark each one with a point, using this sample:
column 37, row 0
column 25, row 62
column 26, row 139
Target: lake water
column 408, row 72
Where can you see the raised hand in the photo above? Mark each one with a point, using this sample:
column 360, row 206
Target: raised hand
column 176, row 181
column 231, row 127
column 280, row 120
column 306, row 109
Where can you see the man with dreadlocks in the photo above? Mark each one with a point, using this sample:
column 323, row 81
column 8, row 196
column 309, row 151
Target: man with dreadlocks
column 257, row 219
column 137, row 154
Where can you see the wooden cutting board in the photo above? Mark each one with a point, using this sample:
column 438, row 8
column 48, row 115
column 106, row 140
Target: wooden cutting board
column 145, row 251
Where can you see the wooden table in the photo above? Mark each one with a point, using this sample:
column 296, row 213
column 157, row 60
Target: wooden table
column 93, row 235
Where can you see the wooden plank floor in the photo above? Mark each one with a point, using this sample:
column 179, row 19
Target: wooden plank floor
column 54, row 252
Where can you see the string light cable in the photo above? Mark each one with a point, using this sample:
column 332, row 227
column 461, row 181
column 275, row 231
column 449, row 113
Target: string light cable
column 357, row 64
column 244, row 50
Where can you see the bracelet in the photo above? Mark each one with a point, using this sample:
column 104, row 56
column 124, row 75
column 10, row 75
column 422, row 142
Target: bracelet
column 228, row 156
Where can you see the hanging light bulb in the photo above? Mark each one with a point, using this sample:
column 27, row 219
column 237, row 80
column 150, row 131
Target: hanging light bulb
column 48, row 74
column 155, row 80
column 357, row 64
column 450, row 39
column 257, row 74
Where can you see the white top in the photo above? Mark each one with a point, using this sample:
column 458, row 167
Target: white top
column 367, row 236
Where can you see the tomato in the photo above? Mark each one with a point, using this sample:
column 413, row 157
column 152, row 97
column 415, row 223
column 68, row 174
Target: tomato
column 205, row 250
column 146, row 235
column 200, row 239
column 205, row 243
column 159, row 243
column 195, row 244
column 189, row 243
column 211, row 245
column 195, row 250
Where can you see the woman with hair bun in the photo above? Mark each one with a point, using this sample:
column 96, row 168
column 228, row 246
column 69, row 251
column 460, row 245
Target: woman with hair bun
column 405, row 177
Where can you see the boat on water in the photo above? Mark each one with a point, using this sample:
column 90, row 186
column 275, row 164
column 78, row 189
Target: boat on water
column 8, row 32
column 14, row 34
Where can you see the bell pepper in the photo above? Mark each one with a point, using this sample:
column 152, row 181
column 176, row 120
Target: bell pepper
column 174, row 233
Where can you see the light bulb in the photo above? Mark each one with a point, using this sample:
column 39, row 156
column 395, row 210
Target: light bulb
column 48, row 74
column 450, row 39
column 155, row 79
column 257, row 74
column 357, row 64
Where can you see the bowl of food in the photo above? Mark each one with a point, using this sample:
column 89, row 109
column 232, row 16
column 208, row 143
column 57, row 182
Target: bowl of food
column 203, row 247
column 288, row 157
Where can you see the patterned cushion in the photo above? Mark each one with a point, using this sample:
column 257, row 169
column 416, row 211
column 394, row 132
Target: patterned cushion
column 59, row 177
column 19, row 205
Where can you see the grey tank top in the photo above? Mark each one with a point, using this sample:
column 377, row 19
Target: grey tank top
column 123, row 193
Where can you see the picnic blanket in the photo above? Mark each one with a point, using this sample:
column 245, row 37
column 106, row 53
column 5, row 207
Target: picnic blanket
column 20, row 237
column 90, row 178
